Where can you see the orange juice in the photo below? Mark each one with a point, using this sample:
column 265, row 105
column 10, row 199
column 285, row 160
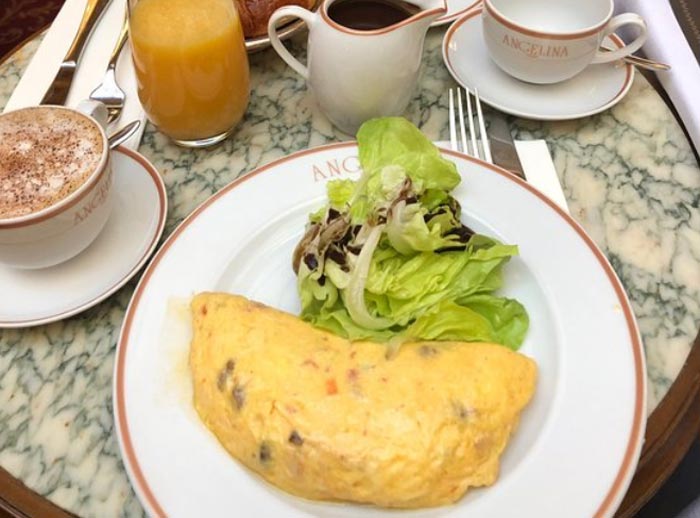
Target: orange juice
column 191, row 66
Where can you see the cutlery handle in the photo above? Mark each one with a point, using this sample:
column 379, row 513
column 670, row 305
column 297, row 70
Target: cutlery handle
column 92, row 13
column 283, row 12
column 123, row 34
column 638, row 61
column 647, row 63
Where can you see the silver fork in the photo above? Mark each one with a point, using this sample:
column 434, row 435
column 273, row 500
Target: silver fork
column 468, row 147
column 109, row 92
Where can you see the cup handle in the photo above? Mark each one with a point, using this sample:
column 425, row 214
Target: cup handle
column 94, row 109
column 617, row 22
column 308, row 17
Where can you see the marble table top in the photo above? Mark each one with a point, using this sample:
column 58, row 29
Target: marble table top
column 629, row 175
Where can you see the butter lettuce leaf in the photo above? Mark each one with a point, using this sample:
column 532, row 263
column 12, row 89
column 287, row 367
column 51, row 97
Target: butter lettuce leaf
column 340, row 193
column 395, row 141
column 389, row 259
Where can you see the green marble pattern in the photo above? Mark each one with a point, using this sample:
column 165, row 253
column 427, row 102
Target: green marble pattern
column 629, row 175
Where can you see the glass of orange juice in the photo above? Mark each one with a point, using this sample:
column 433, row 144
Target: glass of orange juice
column 191, row 67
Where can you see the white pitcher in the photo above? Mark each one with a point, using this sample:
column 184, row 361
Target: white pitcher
column 357, row 75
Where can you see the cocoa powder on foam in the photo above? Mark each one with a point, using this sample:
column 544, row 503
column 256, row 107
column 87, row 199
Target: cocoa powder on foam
column 45, row 155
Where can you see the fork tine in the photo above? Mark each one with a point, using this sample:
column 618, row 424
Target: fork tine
column 463, row 134
column 453, row 131
column 472, row 133
column 482, row 129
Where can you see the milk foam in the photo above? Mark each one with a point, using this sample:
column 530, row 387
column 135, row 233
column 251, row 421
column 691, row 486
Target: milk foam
column 45, row 155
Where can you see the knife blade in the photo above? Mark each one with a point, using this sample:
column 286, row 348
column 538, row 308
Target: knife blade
column 57, row 92
column 540, row 170
column 503, row 149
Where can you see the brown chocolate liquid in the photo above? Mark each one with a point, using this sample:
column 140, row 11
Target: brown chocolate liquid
column 369, row 15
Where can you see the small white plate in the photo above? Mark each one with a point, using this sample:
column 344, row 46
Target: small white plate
column 577, row 445
column 455, row 9
column 595, row 89
column 33, row 297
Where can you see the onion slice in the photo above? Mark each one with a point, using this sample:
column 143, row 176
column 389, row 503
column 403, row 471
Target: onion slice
column 355, row 292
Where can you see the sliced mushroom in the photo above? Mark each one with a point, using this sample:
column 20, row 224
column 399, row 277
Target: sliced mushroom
column 309, row 236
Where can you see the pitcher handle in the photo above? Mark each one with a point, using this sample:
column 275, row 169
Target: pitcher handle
column 309, row 19
column 634, row 46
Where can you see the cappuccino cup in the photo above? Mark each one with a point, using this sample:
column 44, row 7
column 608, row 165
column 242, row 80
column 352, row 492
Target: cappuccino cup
column 55, row 183
column 547, row 41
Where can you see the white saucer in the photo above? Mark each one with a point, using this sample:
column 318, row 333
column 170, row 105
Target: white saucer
column 595, row 89
column 33, row 297
column 455, row 9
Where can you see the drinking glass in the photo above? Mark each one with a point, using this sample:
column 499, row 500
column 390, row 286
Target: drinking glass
column 191, row 67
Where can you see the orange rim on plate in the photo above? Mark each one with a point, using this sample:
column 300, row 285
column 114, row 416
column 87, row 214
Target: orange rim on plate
column 624, row 474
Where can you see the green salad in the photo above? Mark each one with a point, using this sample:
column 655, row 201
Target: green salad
column 388, row 258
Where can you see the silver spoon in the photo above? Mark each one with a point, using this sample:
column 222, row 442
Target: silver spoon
column 647, row 63
column 641, row 62
column 123, row 134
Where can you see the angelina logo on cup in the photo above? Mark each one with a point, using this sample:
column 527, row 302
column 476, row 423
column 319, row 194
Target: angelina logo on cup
column 547, row 41
column 55, row 183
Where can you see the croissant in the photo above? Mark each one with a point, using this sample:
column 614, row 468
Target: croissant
column 256, row 13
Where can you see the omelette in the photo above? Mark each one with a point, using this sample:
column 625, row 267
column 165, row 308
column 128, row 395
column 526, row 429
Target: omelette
column 328, row 419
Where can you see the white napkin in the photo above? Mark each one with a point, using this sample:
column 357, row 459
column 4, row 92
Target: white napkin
column 93, row 63
column 692, row 511
column 667, row 43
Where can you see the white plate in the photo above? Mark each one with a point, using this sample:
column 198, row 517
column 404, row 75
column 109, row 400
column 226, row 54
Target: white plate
column 579, row 440
column 33, row 297
column 455, row 9
column 595, row 89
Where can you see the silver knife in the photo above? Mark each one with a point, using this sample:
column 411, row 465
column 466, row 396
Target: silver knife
column 503, row 149
column 60, row 86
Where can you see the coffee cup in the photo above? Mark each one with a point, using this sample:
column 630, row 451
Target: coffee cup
column 547, row 41
column 55, row 183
